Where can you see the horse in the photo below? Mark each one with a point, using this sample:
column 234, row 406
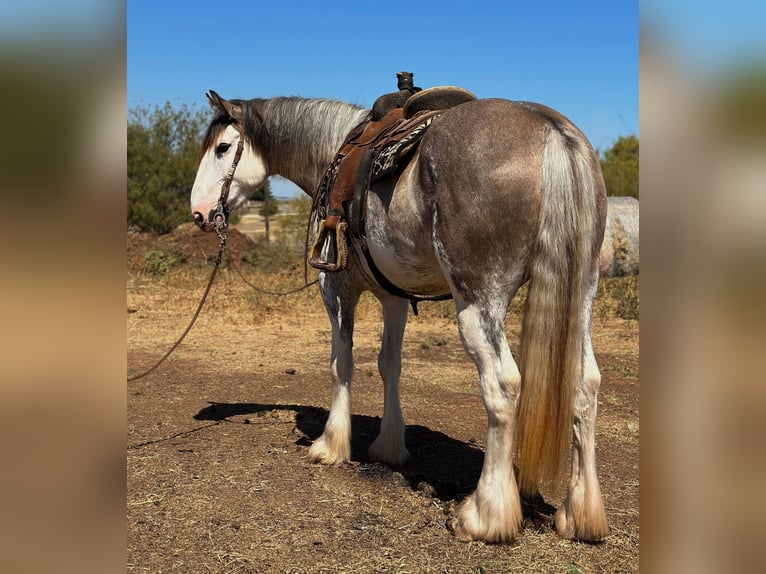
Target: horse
column 499, row 193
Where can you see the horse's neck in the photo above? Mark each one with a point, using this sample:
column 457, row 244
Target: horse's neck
column 303, row 136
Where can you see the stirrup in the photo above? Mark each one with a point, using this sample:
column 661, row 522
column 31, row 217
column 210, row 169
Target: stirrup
column 340, row 247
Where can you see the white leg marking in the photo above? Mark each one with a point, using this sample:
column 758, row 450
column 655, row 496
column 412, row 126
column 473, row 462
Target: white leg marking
column 389, row 446
column 582, row 514
column 493, row 512
column 334, row 446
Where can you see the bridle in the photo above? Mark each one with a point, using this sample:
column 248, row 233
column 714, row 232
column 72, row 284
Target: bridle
column 220, row 214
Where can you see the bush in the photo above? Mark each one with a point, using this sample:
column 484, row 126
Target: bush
column 159, row 262
column 163, row 149
column 618, row 297
column 627, row 304
column 620, row 167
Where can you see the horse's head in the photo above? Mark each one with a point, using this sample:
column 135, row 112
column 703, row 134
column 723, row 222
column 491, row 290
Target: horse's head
column 219, row 155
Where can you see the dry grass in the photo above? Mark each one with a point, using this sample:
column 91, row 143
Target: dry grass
column 228, row 487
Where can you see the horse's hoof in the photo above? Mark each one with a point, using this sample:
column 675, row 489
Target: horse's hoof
column 390, row 454
column 489, row 524
column 324, row 452
column 457, row 530
column 573, row 523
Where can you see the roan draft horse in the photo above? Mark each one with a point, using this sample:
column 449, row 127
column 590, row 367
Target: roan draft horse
column 497, row 194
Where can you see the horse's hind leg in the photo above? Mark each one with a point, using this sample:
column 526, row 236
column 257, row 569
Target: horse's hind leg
column 389, row 447
column 334, row 446
column 493, row 512
column 582, row 515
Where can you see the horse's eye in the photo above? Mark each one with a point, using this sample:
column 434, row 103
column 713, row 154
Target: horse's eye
column 222, row 148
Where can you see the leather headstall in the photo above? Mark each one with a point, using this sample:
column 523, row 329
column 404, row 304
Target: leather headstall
column 220, row 215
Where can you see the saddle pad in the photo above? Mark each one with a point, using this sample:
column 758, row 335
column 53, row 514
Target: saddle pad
column 387, row 159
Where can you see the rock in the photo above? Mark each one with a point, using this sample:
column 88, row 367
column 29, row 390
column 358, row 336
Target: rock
column 619, row 251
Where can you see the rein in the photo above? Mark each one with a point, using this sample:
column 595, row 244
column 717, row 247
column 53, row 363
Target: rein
column 218, row 260
column 219, row 216
column 175, row 345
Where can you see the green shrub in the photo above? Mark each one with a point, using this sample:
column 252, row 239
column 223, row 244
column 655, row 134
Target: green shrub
column 159, row 262
column 627, row 298
column 163, row 148
column 620, row 166
column 617, row 297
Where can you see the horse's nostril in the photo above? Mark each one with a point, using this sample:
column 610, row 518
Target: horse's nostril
column 199, row 219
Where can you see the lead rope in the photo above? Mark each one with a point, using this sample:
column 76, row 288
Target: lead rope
column 219, row 216
column 303, row 287
column 218, row 260
column 219, row 257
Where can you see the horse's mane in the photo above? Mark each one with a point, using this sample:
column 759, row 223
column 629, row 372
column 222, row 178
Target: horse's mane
column 299, row 132
column 293, row 130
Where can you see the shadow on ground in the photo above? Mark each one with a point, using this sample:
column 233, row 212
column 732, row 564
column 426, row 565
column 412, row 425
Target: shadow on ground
column 441, row 466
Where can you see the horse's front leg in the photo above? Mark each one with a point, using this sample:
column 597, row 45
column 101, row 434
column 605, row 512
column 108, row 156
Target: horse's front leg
column 334, row 446
column 389, row 447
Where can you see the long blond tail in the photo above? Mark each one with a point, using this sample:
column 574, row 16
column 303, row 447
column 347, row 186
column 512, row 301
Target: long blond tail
column 551, row 357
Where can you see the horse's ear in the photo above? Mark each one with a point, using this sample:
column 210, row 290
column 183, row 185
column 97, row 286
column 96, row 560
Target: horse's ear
column 224, row 107
column 215, row 101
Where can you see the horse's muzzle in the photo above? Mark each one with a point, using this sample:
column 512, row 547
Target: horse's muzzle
column 199, row 219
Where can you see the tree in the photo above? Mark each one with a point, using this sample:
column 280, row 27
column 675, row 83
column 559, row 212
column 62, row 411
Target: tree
column 163, row 149
column 268, row 208
column 263, row 193
column 620, row 166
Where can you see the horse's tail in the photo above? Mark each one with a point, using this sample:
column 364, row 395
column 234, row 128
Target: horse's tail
column 551, row 355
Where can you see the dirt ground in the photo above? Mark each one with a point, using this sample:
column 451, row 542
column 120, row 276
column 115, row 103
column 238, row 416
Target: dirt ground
column 218, row 436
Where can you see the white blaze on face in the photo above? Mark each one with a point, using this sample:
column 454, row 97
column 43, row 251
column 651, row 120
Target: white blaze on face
column 215, row 165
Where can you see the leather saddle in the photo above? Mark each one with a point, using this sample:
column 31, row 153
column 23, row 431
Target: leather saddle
column 371, row 151
column 437, row 98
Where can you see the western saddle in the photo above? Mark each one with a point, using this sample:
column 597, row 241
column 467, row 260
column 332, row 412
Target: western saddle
column 372, row 150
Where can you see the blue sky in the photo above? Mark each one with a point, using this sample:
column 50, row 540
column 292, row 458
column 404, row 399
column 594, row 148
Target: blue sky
column 580, row 58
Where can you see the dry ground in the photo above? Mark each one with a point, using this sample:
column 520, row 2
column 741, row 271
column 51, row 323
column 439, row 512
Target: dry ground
column 218, row 476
